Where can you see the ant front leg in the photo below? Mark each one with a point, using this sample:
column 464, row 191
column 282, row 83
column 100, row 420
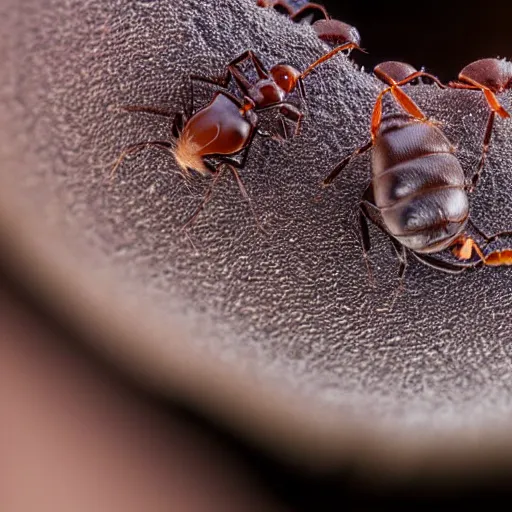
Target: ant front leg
column 243, row 84
column 258, row 65
column 403, row 99
column 293, row 114
column 232, row 72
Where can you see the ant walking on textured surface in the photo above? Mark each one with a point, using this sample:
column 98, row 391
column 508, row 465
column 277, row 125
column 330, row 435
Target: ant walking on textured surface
column 327, row 29
column 418, row 194
column 217, row 137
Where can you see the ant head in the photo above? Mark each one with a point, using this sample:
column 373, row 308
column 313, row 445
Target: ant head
column 495, row 74
column 285, row 76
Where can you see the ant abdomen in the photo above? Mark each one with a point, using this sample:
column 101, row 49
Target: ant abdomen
column 418, row 184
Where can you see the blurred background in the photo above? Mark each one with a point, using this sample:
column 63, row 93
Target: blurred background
column 442, row 36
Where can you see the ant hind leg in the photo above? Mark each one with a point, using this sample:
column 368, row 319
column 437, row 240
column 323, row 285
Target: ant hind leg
column 163, row 145
column 485, row 149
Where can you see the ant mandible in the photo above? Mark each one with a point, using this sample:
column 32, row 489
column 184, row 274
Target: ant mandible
column 418, row 193
column 491, row 76
column 331, row 31
column 209, row 140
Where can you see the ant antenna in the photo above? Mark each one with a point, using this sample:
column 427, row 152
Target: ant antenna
column 329, row 55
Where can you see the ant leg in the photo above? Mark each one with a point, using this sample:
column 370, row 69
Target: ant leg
column 281, row 7
column 243, row 84
column 459, row 85
column 443, row 266
column 418, row 74
column 401, row 254
column 498, row 258
column 502, row 257
column 403, row 100
column 490, row 97
column 340, row 166
column 464, row 247
column 220, row 82
column 489, row 238
column 178, row 124
column 258, row 65
column 282, row 131
column 241, row 81
column 494, row 103
column 302, row 91
column 217, row 173
column 372, row 213
column 233, row 165
column 246, row 196
column 310, row 13
column 137, row 148
column 293, row 114
column 407, row 103
column 485, row 149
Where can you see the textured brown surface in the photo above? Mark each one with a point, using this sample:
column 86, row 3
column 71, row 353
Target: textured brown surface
column 278, row 326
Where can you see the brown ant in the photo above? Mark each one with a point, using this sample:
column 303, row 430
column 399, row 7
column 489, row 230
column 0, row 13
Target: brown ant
column 491, row 76
column 331, row 31
column 418, row 194
column 209, row 140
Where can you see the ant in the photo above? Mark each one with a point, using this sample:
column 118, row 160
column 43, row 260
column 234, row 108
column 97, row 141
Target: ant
column 418, row 193
column 209, row 140
column 331, row 31
column 491, row 76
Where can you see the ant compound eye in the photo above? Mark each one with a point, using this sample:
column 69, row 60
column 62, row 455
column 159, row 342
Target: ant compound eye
column 285, row 77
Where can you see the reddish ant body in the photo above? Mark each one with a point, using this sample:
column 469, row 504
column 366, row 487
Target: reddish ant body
column 331, row 31
column 491, row 76
column 418, row 192
column 209, row 140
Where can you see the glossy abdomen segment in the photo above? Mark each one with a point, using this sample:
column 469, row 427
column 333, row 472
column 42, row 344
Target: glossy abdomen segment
column 218, row 128
column 418, row 185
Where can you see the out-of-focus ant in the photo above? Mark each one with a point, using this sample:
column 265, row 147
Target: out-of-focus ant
column 418, row 193
column 331, row 31
column 491, row 76
column 218, row 136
